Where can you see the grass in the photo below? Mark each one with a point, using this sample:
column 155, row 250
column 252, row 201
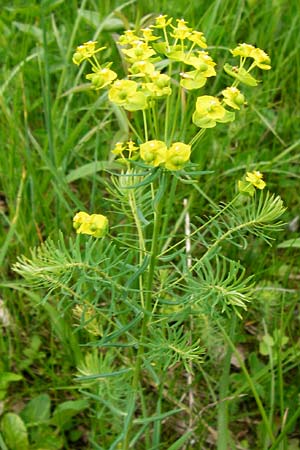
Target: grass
column 51, row 133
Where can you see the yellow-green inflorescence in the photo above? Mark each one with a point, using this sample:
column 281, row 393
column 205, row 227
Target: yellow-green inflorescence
column 251, row 181
column 166, row 57
column 95, row 224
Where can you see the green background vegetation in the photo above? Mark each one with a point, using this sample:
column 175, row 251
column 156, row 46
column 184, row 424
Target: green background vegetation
column 49, row 129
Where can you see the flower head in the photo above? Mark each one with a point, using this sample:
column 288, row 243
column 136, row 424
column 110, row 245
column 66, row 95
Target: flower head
column 255, row 178
column 233, row 97
column 101, row 78
column 159, row 85
column 261, row 59
column 85, row 51
column 198, row 38
column 208, row 111
column 139, row 51
column 162, row 21
column 153, row 152
column 181, row 31
column 128, row 37
column 243, row 50
column 124, row 93
column 148, row 35
column 95, row 224
column 177, row 156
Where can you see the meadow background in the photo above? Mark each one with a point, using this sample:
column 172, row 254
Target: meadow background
column 50, row 127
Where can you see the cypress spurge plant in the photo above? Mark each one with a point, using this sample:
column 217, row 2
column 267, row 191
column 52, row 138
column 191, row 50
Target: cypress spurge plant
column 140, row 288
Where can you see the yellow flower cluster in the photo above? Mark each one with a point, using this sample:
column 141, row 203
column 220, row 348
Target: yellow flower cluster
column 165, row 40
column 95, row 224
column 252, row 180
column 260, row 58
column 155, row 153
column 142, row 50
column 256, row 179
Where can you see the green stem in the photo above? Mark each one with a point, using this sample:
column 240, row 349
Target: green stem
column 147, row 310
column 223, row 422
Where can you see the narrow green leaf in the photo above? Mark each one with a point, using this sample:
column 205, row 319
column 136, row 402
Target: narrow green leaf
column 178, row 444
column 90, row 169
column 103, row 375
column 290, row 243
column 159, row 416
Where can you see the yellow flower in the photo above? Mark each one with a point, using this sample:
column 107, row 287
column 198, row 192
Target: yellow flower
column 198, row 38
column 159, row 86
column 95, row 224
column 80, row 218
column 243, row 50
column 128, row 37
column 101, row 78
column 177, row 156
column 118, row 149
column 181, row 31
column 162, row 21
column 142, row 68
column 131, row 147
column 261, row 59
column 139, row 51
column 233, row 97
column 208, row 111
column 202, row 62
column 85, row 51
column 195, row 79
column 124, row 93
column 148, row 35
column 255, row 178
column 153, row 152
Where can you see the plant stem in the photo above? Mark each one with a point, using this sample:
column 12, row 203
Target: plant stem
column 158, row 206
column 222, row 443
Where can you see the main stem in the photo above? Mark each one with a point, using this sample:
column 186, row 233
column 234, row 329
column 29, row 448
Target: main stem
column 147, row 315
column 223, row 421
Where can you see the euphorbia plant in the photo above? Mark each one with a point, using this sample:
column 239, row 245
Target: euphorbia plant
column 145, row 283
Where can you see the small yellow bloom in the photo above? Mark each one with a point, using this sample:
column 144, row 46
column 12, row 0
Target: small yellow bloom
column 131, row 147
column 198, row 38
column 153, row 152
column 80, row 218
column 128, row 37
column 181, row 31
column 140, row 51
column 177, row 156
column 233, row 97
column 261, row 59
column 85, row 51
column 142, row 68
column 124, row 93
column 202, row 62
column 159, row 87
column 255, row 178
column 95, row 225
column 243, row 50
column 118, row 149
column 162, row 21
column 148, row 35
column 208, row 111
column 101, row 78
